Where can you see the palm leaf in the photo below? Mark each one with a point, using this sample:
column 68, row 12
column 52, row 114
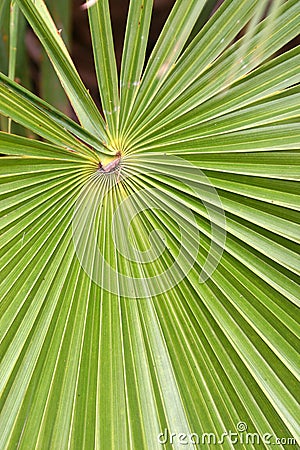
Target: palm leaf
column 113, row 332
column 105, row 62
column 39, row 18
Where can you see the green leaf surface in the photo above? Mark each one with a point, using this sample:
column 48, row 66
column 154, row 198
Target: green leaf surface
column 168, row 47
column 55, row 116
column 154, row 295
column 39, row 18
column 135, row 43
column 105, row 63
column 196, row 79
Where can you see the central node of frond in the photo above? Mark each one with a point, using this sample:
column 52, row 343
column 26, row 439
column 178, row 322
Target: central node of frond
column 111, row 165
